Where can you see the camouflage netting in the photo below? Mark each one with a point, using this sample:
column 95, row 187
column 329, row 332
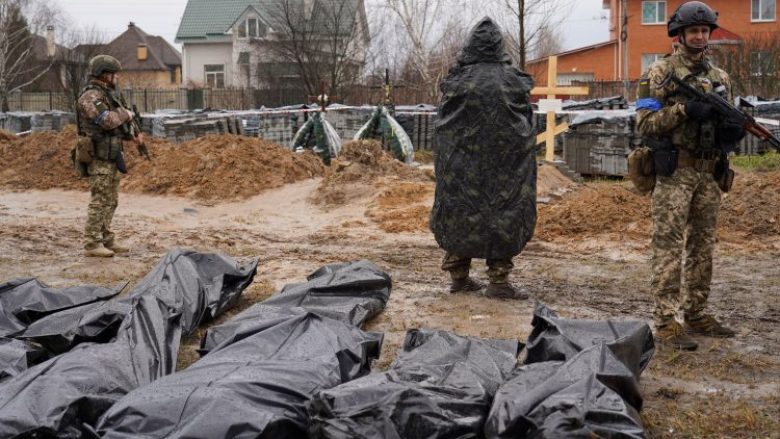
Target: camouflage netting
column 213, row 168
column 318, row 135
column 485, row 205
column 383, row 127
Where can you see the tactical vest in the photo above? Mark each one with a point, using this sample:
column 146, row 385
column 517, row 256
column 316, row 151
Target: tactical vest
column 107, row 144
column 696, row 137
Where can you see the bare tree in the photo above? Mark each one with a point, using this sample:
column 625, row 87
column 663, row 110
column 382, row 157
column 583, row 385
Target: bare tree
column 82, row 44
column 325, row 40
column 433, row 31
column 535, row 22
column 754, row 64
column 548, row 42
column 21, row 23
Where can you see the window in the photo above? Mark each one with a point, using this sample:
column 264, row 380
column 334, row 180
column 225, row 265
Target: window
column 762, row 64
column 649, row 58
column 215, row 75
column 763, row 10
column 654, row 12
column 251, row 28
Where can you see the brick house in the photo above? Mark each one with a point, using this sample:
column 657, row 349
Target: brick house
column 633, row 47
column 148, row 61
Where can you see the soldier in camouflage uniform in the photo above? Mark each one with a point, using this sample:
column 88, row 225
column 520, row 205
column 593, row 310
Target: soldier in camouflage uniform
column 100, row 118
column 684, row 136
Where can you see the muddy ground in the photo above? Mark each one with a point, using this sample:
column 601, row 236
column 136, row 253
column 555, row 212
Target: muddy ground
column 728, row 388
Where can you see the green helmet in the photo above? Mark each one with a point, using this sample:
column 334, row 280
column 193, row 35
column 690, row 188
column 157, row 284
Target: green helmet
column 103, row 64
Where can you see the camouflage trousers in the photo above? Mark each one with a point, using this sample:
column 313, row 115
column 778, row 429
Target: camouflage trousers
column 498, row 269
column 685, row 215
column 104, row 190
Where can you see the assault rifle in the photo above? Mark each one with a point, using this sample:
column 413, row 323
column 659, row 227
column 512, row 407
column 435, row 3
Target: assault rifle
column 727, row 111
column 133, row 127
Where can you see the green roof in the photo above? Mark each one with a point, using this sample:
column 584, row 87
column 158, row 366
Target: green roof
column 208, row 20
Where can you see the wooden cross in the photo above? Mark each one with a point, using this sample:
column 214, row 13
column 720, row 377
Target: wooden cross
column 388, row 98
column 551, row 90
column 323, row 99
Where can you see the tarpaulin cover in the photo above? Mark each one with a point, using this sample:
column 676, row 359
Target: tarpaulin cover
column 485, row 202
column 318, row 135
column 23, row 301
column 352, row 293
column 17, row 355
column 382, row 126
column 440, row 386
column 558, row 339
column 257, row 387
column 593, row 394
column 617, row 117
column 63, row 396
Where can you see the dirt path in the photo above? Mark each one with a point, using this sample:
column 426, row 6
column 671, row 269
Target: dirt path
column 729, row 388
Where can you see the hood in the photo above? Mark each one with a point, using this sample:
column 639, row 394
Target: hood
column 485, row 45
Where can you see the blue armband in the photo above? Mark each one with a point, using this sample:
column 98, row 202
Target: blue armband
column 100, row 118
column 651, row 104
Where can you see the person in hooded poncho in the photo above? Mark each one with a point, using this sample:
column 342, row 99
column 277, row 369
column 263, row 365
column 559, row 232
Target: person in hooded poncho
column 485, row 203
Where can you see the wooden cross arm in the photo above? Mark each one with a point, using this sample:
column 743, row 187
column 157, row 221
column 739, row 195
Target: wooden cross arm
column 551, row 91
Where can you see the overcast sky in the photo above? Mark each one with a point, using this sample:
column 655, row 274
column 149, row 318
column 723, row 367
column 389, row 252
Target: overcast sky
column 585, row 22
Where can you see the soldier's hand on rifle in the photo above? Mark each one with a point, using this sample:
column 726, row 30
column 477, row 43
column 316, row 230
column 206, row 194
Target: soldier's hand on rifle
column 698, row 110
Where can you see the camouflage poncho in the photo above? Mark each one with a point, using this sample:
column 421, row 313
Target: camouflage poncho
column 485, row 204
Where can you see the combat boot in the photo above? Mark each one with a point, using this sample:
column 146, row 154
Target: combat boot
column 673, row 335
column 505, row 291
column 98, row 252
column 116, row 248
column 465, row 285
column 708, row 326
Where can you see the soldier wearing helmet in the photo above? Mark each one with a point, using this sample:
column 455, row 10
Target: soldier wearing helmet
column 100, row 118
column 688, row 143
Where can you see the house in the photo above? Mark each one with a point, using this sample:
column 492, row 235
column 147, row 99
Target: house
column 46, row 55
column 148, row 61
column 246, row 43
column 632, row 47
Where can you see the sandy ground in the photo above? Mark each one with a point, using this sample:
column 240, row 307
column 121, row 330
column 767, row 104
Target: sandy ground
column 728, row 388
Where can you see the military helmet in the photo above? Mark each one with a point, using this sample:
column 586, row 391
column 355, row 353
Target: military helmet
column 103, row 64
column 691, row 14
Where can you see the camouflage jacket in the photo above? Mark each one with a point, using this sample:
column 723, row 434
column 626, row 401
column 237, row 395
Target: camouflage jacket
column 100, row 118
column 661, row 110
column 98, row 112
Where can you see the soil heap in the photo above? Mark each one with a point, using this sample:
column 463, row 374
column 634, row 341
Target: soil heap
column 40, row 161
column 220, row 168
column 212, row 168
column 750, row 212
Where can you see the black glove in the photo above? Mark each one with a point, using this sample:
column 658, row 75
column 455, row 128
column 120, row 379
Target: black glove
column 698, row 110
column 730, row 133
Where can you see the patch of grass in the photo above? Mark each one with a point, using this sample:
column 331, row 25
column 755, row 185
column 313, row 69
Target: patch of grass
column 765, row 162
column 711, row 416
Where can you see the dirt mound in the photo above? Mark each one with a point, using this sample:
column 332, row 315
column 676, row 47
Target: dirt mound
column 752, row 208
column 594, row 210
column 751, row 211
column 213, row 168
column 403, row 207
column 220, row 167
column 40, row 161
column 361, row 169
column 7, row 136
column 551, row 182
